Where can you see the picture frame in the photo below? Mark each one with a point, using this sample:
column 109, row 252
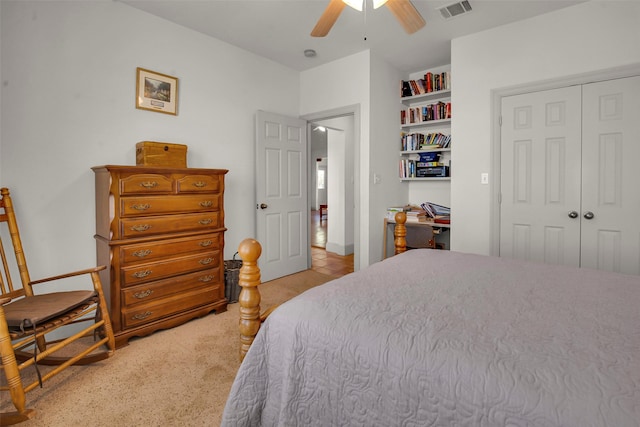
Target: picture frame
column 156, row 92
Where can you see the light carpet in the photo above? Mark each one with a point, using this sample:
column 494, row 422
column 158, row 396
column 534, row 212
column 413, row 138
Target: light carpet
column 176, row 377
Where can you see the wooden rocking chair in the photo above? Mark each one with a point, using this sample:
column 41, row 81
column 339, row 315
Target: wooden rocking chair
column 27, row 318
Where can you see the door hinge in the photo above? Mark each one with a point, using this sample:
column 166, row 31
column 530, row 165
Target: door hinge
column 500, row 121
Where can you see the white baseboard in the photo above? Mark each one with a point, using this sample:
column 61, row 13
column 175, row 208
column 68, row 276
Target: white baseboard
column 340, row 249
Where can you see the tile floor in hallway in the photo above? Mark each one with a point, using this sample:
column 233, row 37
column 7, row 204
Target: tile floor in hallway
column 330, row 263
column 321, row 260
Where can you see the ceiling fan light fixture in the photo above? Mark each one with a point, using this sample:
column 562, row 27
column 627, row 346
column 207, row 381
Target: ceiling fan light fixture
column 356, row 4
column 378, row 3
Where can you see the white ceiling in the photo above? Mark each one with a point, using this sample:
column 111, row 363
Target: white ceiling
column 279, row 29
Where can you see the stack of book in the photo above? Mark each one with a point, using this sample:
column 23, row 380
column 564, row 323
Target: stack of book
column 416, row 215
column 437, row 213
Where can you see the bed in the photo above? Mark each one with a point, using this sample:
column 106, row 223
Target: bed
column 440, row 338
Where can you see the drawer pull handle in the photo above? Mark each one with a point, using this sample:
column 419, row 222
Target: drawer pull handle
column 142, row 316
column 143, row 294
column 141, row 207
column 142, row 253
column 141, row 274
column 149, row 184
column 207, row 278
column 206, row 261
column 206, row 243
column 205, row 221
column 206, row 204
column 143, row 227
column 200, row 184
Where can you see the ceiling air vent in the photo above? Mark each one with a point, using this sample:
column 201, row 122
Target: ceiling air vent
column 455, row 9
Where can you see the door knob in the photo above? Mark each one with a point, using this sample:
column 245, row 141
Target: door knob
column 589, row 215
column 573, row 214
column 263, row 206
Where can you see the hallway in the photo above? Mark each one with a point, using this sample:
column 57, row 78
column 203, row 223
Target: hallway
column 321, row 260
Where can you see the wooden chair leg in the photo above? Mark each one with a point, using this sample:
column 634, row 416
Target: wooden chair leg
column 104, row 313
column 14, row 382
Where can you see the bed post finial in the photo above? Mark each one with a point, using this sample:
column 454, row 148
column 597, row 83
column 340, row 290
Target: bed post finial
column 400, row 233
column 249, row 251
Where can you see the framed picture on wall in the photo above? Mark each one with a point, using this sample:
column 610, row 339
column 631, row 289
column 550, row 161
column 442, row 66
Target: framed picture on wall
column 156, row 92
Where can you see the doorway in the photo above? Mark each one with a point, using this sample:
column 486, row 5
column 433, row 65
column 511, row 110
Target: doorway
column 332, row 181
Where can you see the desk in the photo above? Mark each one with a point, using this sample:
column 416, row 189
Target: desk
column 437, row 229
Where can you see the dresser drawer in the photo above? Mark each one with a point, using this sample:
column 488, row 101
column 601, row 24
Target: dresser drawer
column 199, row 184
column 151, row 271
column 154, row 205
column 163, row 307
column 145, row 184
column 150, row 292
column 151, row 251
column 146, row 226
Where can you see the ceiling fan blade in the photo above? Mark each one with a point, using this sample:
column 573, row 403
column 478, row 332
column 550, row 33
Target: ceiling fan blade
column 406, row 13
column 328, row 18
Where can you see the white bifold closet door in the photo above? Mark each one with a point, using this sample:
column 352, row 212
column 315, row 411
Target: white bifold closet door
column 570, row 176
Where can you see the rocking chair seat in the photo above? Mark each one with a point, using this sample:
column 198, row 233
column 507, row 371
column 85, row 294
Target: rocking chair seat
column 25, row 313
column 52, row 330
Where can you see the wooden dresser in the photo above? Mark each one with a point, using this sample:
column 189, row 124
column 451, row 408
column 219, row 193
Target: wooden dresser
column 161, row 233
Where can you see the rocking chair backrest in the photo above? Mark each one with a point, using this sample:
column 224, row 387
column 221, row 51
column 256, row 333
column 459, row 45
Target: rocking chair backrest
column 9, row 226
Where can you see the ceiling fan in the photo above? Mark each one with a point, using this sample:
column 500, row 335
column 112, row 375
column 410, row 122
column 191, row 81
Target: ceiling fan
column 404, row 11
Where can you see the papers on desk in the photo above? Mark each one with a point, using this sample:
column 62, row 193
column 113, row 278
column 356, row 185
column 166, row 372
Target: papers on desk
column 426, row 212
column 391, row 212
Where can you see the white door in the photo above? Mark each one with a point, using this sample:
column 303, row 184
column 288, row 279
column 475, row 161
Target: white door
column 282, row 215
column 611, row 176
column 540, row 176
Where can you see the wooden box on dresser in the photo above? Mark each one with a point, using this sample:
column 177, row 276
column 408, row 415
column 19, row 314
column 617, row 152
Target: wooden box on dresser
column 161, row 233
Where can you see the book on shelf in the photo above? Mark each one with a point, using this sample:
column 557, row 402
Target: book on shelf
column 431, row 82
column 420, row 141
column 432, row 172
column 426, row 113
column 438, row 81
column 405, row 89
column 442, row 219
column 432, row 156
column 428, row 164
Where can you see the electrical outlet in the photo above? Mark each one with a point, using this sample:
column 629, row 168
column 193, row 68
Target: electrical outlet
column 484, row 178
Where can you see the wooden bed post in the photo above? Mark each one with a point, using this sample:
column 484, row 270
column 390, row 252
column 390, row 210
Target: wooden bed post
column 249, row 251
column 400, row 233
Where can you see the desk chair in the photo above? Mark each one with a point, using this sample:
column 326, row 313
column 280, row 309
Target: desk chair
column 27, row 319
column 323, row 211
column 420, row 236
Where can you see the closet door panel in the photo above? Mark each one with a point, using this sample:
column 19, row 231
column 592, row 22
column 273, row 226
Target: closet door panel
column 611, row 176
column 540, row 176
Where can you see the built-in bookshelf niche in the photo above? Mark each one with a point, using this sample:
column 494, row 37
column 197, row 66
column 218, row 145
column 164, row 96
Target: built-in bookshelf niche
column 425, row 126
